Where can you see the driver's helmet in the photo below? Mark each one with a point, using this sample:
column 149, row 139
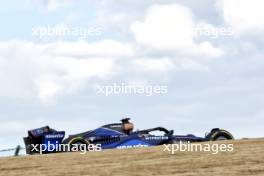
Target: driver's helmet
column 127, row 126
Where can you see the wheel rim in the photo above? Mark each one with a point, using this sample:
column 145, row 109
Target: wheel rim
column 220, row 138
column 79, row 145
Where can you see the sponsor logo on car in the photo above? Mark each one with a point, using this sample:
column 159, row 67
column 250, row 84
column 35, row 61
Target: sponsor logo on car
column 48, row 136
column 157, row 138
column 132, row 146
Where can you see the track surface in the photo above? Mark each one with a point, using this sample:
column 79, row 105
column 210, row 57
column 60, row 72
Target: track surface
column 246, row 159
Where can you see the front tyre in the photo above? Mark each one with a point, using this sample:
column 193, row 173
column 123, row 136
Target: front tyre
column 218, row 135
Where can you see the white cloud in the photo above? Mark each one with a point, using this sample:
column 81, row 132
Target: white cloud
column 171, row 27
column 148, row 64
column 54, row 4
column 206, row 48
column 243, row 15
column 36, row 70
column 165, row 27
column 49, row 71
column 164, row 65
column 104, row 48
column 48, row 90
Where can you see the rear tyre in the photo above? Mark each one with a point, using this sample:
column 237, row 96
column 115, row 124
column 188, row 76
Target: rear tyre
column 219, row 134
column 78, row 144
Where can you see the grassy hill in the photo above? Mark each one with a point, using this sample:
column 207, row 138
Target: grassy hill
column 246, row 159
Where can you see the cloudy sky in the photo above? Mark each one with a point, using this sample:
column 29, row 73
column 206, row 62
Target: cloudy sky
column 208, row 53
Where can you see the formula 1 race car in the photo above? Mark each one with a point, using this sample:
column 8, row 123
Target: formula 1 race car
column 116, row 135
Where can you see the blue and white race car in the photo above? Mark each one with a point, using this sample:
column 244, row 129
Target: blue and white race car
column 116, row 135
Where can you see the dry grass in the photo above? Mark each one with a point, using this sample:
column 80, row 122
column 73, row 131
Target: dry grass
column 246, row 159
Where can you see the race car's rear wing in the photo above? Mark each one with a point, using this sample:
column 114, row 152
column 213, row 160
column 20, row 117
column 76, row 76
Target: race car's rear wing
column 40, row 138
